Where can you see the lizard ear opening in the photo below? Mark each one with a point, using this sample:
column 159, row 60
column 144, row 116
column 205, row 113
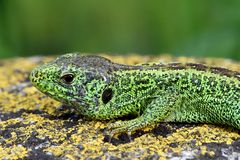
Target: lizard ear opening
column 107, row 95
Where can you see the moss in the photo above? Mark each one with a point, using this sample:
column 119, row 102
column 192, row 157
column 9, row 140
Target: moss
column 32, row 126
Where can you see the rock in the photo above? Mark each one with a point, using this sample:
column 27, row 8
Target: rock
column 33, row 126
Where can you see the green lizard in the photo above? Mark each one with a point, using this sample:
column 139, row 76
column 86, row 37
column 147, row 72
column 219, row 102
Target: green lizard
column 100, row 89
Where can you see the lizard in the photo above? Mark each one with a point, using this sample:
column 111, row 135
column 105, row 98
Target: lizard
column 100, row 89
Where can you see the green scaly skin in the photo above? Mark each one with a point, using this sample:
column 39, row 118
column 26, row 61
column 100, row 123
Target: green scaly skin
column 100, row 89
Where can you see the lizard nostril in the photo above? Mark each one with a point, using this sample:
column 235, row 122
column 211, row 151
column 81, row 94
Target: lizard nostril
column 34, row 75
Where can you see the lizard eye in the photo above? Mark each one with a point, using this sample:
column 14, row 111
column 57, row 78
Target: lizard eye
column 107, row 95
column 67, row 78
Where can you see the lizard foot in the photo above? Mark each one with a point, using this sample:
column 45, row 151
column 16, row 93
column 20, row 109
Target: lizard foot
column 125, row 127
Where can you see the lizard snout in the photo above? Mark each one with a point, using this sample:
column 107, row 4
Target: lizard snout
column 35, row 75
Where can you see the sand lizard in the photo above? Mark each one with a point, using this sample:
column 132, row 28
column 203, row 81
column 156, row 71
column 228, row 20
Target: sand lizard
column 101, row 89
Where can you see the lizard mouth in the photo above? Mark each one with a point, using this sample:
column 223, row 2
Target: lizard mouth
column 52, row 90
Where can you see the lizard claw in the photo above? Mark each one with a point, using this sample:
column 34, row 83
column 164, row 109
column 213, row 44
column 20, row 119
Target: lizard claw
column 119, row 127
column 129, row 133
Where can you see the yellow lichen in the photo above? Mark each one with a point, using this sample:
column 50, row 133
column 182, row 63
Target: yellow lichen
column 85, row 138
column 13, row 153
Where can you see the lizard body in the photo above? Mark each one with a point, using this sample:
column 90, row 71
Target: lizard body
column 100, row 89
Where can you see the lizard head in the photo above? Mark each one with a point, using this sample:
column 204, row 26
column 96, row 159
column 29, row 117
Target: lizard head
column 89, row 84
column 75, row 80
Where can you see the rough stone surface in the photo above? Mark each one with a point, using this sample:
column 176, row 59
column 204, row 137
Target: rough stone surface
column 33, row 126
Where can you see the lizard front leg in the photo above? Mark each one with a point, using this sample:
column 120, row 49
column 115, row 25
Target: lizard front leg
column 155, row 112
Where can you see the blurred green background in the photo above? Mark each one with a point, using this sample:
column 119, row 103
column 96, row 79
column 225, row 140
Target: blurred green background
column 200, row 28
